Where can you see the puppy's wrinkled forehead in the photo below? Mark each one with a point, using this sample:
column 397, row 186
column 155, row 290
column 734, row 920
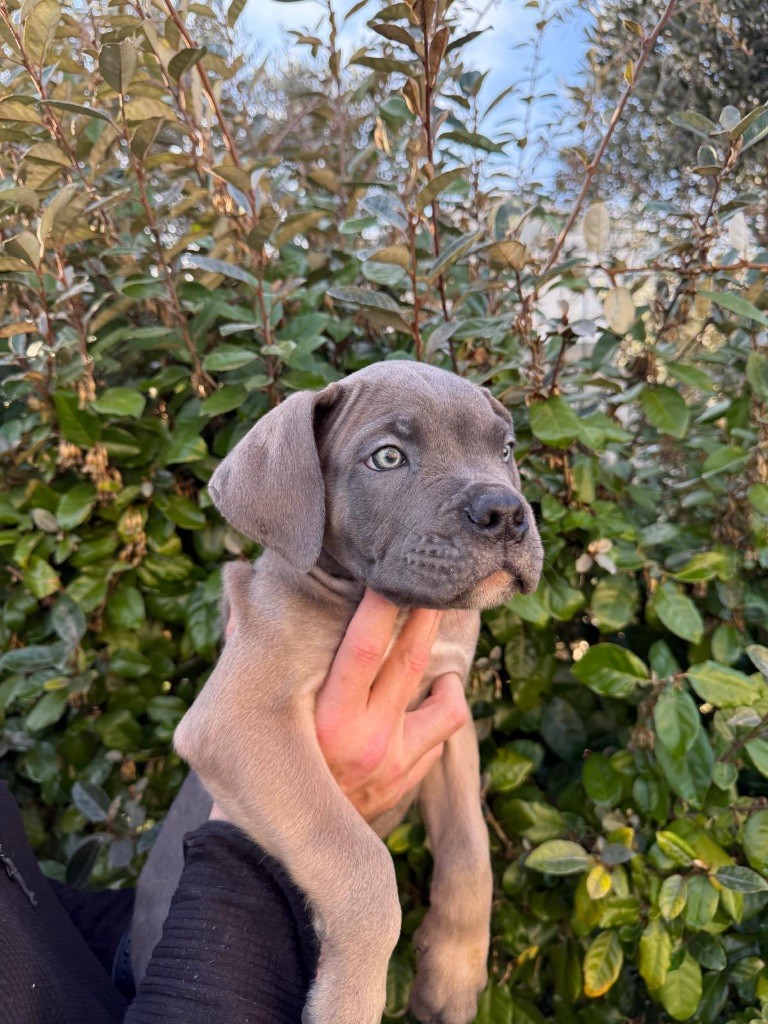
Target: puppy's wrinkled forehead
column 415, row 402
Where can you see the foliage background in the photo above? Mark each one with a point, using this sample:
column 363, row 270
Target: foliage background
column 187, row 237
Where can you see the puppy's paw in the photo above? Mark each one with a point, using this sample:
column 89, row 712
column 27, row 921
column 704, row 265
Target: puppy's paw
column 451, row 973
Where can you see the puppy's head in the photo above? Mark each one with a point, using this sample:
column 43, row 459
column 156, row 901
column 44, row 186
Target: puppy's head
column 403, row 474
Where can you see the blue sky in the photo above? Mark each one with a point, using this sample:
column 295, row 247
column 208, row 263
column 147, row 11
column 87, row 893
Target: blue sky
column 509, row 23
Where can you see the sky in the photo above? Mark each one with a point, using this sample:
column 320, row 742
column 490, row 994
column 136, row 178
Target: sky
column 508, row 23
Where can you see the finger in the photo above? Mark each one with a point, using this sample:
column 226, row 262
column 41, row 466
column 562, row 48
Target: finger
column 421, row 769
column 442, row 714
column 360, row 654
column 399, row 679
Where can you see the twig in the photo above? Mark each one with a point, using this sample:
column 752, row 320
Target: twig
column 648, row 44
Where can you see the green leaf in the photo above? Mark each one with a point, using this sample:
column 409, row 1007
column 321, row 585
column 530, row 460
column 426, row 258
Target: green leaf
column 47, row 711
column 724, row 774
column 559, row 857
column 77, row 425
column 40, row 578
column 508, row 770
column 68, row 621
column 704, row 565
column 694, row 122
column 77, row 108
column 708, row 951
column 758, row 655
column 118, row 63
column 186, row 59
column 756, row 840
column 554, row 423
column 495, row 1006
column 613, row 602
column 191, row 261
column 125, row 607
column 90, row 800
column 681, row 992
column 689, row 776
column 701, row 903
column 473, row 139
column 230, row 397
column 672, row 897
column 741, row 879
column 722, row 686
column 758, row 498
column 666, row 410
column 758, row 755
column 757, row 375
column 602, row 964
column 678, row 613
column 119, row 730
column 756, row 131
column 610, row 670
column 75, row 505
column 601, row 783
column 675, row 848
column 186, row 445
column 452, row 253
column 129, row 664
column 677, row 720
column 735, row 304
column 40, row 24
column 120, row 402
column 438, row 185
column 234, row 11
column 655, row 954
column 228, row 357
column 29, row 659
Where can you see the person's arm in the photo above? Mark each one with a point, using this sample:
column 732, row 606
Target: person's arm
column 238, row 940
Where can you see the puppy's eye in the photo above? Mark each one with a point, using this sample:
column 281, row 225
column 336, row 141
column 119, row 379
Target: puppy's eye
column 506, row 451
column 388, row 457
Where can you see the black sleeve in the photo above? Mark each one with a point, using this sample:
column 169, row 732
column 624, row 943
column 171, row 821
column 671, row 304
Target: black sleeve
column 48, row 975
column 238, row 943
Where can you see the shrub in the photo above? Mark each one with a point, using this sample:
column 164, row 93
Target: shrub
column 185, row 242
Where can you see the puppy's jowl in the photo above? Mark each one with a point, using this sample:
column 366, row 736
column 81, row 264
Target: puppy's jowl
column 401, row 478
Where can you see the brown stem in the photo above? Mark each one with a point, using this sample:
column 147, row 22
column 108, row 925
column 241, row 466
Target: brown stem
column 208, row 88
column 648, row 44
column 429, row 138
column 200, row 379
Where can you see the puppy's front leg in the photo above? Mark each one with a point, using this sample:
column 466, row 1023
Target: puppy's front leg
column 266, row 771
column 452, row 940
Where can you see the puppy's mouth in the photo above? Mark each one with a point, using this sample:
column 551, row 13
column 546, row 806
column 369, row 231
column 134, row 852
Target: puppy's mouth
column 490, row 591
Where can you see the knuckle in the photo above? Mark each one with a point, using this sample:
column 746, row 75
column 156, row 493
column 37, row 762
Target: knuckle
column 416, row 658
column 370, row 757
column 456, row 714
column 365, row 650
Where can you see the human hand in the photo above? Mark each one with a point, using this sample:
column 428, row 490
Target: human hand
column 376, row 749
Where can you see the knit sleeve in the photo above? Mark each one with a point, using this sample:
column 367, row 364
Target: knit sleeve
column 238, row 943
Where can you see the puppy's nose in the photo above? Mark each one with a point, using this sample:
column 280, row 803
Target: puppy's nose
column 498, row 514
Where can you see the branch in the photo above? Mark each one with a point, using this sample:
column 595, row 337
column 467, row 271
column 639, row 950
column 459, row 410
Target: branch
column 647, row 48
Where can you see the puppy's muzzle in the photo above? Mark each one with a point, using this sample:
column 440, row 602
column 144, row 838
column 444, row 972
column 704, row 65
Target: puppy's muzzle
column 498, row 514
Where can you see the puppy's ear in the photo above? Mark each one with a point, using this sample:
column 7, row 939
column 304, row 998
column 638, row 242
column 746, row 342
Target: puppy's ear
column 270, row 487
column 497, row 407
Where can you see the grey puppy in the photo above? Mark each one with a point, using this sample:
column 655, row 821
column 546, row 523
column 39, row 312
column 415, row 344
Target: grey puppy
column 400, row 478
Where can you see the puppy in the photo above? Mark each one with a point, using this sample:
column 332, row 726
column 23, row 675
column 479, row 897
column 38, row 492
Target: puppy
column 400, row 477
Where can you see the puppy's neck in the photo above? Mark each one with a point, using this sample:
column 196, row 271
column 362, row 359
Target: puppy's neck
column 334, row 577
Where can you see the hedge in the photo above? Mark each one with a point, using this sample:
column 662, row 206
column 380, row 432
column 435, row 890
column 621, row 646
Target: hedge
column 187, row 238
